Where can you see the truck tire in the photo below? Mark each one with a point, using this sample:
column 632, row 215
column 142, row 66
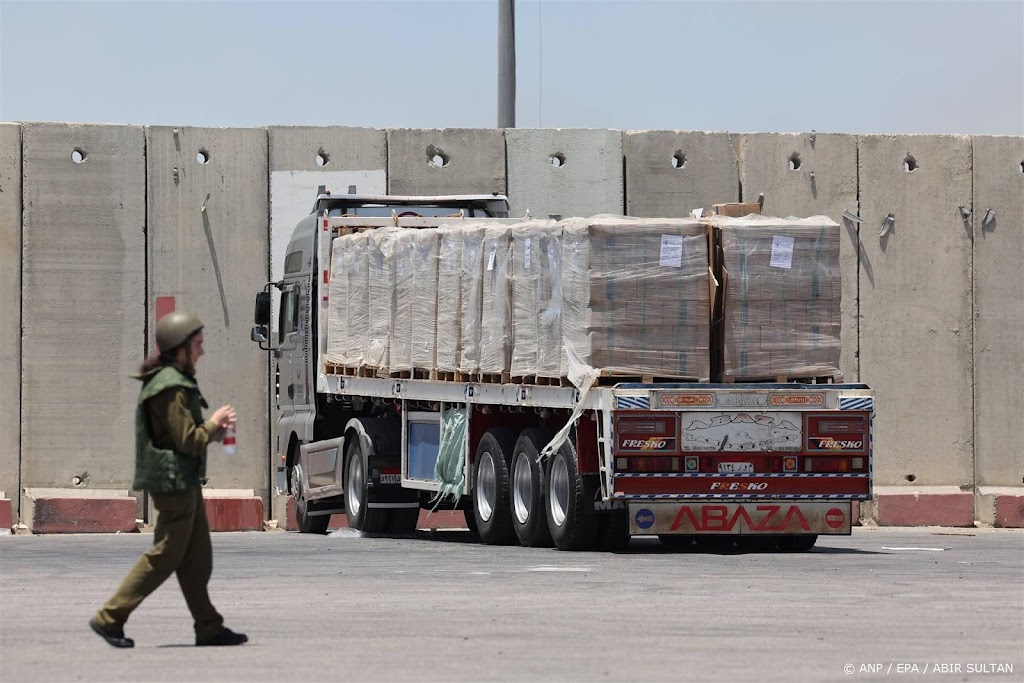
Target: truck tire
column 491, row 486
column 307, row 524
column 529, row 518
column 572, row 525
column 359, row 515
column 676, row 540
column 797, row 544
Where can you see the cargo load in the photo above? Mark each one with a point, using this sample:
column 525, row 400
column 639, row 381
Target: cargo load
column 780, row 315
column 536, row 299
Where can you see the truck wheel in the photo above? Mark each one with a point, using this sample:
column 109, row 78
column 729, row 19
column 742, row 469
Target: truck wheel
column 676, row 540
column 572, row 526
column 613, row 531
column 797, row 544
column 528, row 516
column 491, row 487
column 471, row 521
column 404, row 521
column 359, row 515
column 307, row 523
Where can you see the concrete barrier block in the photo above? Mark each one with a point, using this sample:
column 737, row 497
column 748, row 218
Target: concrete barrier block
column 915, row 305
column 301, row 159
column 83, row 301
column 921, row 506
column 1000, row 506
column 75, row 512
column 565, row 171
column 442, row 519
column 10, row 309
column 998, row 309
column 209, row 254
column 446, row 161
column 6, row 514
column 671, row 172
column 234, row 513
column 810, row 174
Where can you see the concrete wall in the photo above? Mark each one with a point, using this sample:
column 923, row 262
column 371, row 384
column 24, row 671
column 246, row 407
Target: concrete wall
column 915, row 304
column 672, row 172
column 10, row 309
column 810, row 174
column 588, row 180
column 448, row 161
column 932, row 312
column 998, row 310
column 83, row 299
column 209, row 249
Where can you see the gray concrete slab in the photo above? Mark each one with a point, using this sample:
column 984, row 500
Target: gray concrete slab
column 83, row 299
column 915, row 305
column 999, row 309
column 446, row 161
column 808, row 174
column 10, row 310
column 212, row 262
column 671, row 172
column 588, row 180
column 344, row 608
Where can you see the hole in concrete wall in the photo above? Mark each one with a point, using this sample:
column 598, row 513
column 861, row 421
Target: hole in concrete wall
column 78, row 155
column 911, row 478
column 1022, row 167
column 203, row 157
column 678, row 159
column 436, row 157
column 322, row 157
column 909, row 164
column 557, row 160
column 794, row 161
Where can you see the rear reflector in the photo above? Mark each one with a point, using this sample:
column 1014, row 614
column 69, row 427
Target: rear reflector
column 827, row 465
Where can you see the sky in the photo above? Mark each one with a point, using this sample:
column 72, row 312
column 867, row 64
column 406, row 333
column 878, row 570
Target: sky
column 830, row 65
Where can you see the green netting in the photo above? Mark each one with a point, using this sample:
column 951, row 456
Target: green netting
column 450, row 467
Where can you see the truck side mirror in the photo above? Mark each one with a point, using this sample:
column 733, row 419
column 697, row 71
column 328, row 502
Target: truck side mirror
column 262, row 316
column 259, row 333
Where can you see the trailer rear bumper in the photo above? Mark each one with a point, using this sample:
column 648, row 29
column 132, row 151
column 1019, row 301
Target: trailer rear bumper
column 740, row 518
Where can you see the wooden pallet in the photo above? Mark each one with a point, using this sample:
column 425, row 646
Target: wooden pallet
column 539, row 380
column 609, row 378
column 782, row 379
column 445, row 375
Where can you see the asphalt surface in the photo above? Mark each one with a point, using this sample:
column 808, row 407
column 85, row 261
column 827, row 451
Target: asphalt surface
column 886, row 604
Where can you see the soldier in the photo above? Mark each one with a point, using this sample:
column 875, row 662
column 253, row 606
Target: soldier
column 170, row 463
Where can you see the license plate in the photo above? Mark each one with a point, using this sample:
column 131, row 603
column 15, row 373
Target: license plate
column 391, row 478
column 730, row 467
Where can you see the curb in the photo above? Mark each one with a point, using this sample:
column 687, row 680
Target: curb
column 79, row 515
column 925, row 506
column 442, row 519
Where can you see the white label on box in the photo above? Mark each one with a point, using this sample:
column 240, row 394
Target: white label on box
column 671, row 251
column 526, row 255
column 782, row 252
column 490, row 259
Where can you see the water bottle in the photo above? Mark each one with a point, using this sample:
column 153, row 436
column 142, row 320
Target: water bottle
column 229, row 440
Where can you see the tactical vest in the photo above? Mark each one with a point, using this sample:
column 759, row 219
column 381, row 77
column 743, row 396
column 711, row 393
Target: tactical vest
column 163, row 470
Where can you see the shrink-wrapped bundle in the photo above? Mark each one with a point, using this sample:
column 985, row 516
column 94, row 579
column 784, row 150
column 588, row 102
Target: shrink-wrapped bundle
column 495, row 309
column 536, row 298
column 782, row 292
column 423, row 313
column 381, row 250
column 636, row 297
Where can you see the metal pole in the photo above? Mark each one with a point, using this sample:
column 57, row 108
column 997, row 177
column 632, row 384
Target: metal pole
column 506, row 64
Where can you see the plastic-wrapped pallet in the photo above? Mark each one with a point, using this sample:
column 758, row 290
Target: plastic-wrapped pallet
column 636, row 297
column 423, row 314
column 381, row 248
column 495, row 304
column 782, row 294
column 354, row 304
column 337, row 306
column 404, row 298
column 449, row 298
column 536, row 298
column 471, row 293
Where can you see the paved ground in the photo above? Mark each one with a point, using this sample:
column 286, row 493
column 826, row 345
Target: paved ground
column 346, row 608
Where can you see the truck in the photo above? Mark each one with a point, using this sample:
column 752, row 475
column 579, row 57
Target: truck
column 582, row 465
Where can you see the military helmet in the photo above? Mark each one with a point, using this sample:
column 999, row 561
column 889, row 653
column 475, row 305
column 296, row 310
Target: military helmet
column 174, row 329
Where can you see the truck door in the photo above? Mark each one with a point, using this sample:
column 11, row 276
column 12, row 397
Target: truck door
column 289, row 356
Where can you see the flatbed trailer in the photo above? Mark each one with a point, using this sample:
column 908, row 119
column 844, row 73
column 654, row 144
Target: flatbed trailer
column 579, row 467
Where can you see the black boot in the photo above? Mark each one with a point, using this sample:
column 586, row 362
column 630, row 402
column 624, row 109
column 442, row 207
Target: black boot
column 115, row 638
column 225, row 637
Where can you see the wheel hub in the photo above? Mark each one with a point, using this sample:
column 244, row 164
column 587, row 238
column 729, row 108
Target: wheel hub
column 558, row 493
column 522, row 489
column 486, row 487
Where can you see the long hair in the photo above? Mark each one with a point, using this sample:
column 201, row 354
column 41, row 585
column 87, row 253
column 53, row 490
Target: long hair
column 154, row 361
